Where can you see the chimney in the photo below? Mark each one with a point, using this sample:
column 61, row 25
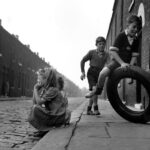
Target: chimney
column 28, row 46
column 17, row 37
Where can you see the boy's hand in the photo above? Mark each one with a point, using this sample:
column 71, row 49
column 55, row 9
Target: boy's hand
column 82, row 76
column 125, row 65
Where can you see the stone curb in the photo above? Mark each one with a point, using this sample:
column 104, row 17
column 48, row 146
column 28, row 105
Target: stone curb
column 59, row 138
column 14, row 98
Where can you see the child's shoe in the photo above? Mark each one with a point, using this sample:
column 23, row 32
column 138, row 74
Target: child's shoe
column 96, row 111
column 40, row 133
column 96, row 91
column 89, row 111
column 67, row 117
column 139, row 106
column 90, row 94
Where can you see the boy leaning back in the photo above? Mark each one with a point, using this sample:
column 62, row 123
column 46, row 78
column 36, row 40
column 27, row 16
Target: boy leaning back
column 98, row 58
column 124, row 52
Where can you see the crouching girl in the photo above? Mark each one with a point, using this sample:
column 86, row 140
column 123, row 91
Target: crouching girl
column 49, row 104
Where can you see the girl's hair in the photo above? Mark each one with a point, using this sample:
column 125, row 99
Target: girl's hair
column 52, row 78
column 134, row 18
column 60, row 83
column 50, row 75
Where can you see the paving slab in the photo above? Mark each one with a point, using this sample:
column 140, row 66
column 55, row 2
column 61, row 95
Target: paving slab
column 109, row 132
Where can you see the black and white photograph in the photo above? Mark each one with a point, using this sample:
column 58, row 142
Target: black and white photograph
column 74, row 75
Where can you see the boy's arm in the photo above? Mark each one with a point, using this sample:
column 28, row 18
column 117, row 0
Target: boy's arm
column 84, row 59
column 82, row 64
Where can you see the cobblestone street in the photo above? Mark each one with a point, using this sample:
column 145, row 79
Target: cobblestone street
column 15, row 131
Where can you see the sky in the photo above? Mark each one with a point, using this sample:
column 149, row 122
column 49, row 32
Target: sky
column 61, row 31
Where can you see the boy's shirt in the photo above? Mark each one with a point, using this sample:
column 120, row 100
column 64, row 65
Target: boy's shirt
column 96, row 60
column 125, row 46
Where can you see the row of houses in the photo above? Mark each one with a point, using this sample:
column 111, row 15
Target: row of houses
column 18, row 66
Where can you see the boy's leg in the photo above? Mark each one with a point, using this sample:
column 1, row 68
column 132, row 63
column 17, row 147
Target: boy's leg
column 89, row 108
column 102, row 77
column 95, row 103
column 91, row 81
column 100, row 84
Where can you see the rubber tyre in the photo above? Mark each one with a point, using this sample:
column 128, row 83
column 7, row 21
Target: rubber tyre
column 137, row 74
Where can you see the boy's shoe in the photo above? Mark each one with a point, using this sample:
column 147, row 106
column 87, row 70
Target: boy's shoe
column 89, row 111
column 96, row 111
column 139, row 106
column 90, row 94
column 40, row 133
column 96, row 91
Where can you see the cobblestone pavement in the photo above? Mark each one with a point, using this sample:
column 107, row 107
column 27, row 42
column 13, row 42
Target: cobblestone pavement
column 15, row 131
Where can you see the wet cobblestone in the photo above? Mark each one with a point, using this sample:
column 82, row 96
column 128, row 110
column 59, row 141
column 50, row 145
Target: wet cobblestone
column 15, row 132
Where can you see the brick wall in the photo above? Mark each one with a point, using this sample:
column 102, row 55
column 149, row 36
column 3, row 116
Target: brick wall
column 121, row 10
